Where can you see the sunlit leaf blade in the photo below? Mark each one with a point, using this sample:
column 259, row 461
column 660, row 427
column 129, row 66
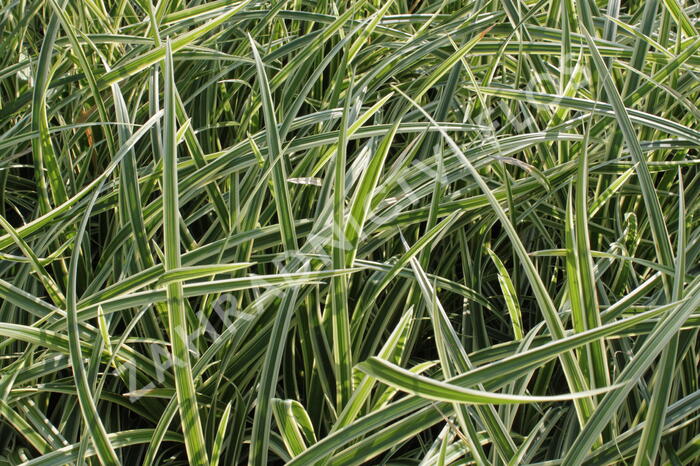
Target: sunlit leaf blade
column 184, row 383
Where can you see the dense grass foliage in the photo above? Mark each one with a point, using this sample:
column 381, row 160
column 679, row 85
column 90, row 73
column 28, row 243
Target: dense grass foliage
column 349, row 232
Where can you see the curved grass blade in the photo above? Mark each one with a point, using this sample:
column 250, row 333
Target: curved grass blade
column 440, row 391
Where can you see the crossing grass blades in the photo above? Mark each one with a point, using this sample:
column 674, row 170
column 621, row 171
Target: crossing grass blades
column 349, row 232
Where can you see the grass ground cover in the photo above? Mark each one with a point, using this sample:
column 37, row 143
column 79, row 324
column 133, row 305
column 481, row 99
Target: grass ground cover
column 349, row 232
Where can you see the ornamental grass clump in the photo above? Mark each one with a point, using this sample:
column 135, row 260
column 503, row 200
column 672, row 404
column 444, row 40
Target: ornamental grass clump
column 349, row 232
